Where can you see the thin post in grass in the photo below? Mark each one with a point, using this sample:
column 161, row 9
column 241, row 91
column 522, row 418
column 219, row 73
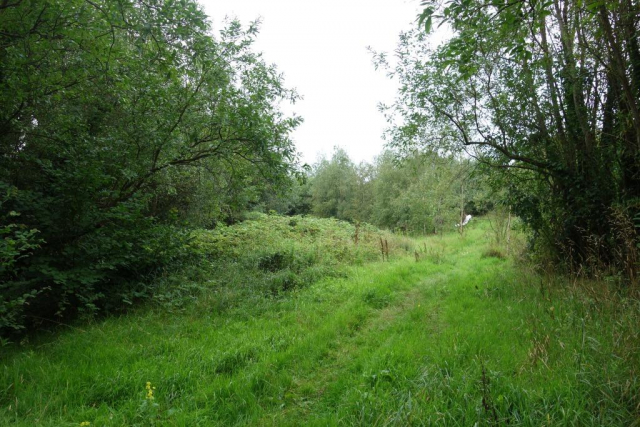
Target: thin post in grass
column 581, row 347
column 461, row 227
column 509, row 231
column 357, row 233
column 487, row 402
column 384, row 248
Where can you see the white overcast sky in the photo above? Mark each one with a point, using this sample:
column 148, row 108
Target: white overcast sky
column 321, row 47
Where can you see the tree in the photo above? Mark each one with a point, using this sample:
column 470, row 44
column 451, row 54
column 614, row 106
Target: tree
column 333, row 187
column 417, row 193
column 113, row 116
column 420, row 192
column 548, row 93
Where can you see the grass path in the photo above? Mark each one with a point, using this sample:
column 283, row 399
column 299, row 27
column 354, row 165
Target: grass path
column 454, row 339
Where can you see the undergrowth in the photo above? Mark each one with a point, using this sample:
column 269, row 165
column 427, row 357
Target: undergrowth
column 440, row 335
column 271, row 255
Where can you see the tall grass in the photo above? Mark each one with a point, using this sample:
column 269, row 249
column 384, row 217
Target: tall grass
column 456, row 338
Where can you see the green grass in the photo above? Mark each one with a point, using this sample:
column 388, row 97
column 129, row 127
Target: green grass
column 459, row 337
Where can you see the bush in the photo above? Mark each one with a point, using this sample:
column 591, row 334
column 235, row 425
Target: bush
column 104, row 270
column 97, row 168
column 272, row 255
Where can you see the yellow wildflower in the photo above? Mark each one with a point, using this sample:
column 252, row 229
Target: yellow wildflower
column 149, row 391
column 85, row 423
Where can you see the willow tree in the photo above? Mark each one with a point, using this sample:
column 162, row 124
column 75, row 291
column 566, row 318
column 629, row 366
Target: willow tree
column 547, row 93
column 110, row 110
column 334, row 188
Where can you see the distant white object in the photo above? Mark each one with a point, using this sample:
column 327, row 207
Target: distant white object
column 466, row 221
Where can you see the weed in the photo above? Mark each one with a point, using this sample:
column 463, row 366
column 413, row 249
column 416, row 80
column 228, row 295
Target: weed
column 494, row 252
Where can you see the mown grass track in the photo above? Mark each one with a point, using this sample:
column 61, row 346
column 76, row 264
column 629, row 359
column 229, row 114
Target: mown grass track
column 456, row 338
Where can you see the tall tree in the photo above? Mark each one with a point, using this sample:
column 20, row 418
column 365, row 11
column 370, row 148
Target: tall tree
column 112, row 114
column 333, row 189
column 547, row 93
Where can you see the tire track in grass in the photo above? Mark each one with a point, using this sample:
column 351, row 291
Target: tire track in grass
column 415, row 313
column 417, row 307
column 362, row 305
column 285, row 379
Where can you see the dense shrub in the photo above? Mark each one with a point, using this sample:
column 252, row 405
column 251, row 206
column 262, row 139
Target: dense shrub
column 270, row 255
column 119, row 121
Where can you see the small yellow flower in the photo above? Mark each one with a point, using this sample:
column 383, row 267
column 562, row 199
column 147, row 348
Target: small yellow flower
column 149, row 391
column 85, row 423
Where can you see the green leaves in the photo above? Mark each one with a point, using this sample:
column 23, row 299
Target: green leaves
column 425, row 18
column 525, row 88
column 117, row 117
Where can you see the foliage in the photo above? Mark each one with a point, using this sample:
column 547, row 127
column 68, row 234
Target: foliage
column 294, row 198
column 293, row 251
column 547, row 94
column 334, row 188
column 418, row 193
column 119, row 121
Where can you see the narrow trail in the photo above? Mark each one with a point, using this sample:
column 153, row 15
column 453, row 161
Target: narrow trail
column 374, row 347
column 384, row 319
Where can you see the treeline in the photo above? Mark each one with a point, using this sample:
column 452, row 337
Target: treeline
column 120, row 123
column 417, row 193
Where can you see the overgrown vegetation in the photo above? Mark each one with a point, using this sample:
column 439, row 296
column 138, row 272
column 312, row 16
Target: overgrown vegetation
column 547, row 94
column 270, row 255
column 453, row 338
column 147, row 175
column 120, row 121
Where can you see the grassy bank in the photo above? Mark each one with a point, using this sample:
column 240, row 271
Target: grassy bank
column 456, row 338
